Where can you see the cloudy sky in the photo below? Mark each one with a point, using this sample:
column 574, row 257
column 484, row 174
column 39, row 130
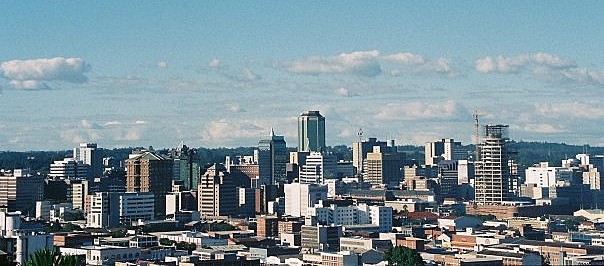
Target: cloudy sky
column 222, row 73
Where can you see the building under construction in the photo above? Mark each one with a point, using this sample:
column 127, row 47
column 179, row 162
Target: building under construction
column 493, row 172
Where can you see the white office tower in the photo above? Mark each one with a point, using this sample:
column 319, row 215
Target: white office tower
column 444, row 149
column 493, row 173
column 69, row 168
column 110, row 209
column 90, row 155
column 298, row 197
column 318, row 167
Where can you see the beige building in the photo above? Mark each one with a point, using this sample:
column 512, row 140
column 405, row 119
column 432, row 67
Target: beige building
column 20, row 189
column 216, row 193
column 150, row 172
column 383, row 168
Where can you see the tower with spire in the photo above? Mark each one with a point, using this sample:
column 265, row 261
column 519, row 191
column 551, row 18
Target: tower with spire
column 272, row 159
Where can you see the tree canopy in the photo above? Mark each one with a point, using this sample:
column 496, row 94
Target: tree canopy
column 48, row 257
column 403, row 256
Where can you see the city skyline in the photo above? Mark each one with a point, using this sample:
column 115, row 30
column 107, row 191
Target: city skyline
column 223, row 74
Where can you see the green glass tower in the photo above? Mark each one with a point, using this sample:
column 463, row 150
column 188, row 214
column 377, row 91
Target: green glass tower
column 311, row 132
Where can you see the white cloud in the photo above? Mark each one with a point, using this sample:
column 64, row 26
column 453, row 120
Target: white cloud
column 249, row 75
column 131, row 135
column 225, row 131
column 371, row 63
column 29, row 74
column 162, row 64
column 215, row 63
column 363, row 63
column 448, row 110
column 442, row 65
column 583, row 75
column 514, row 64
column 501, row 64
column 234, row 107
column 84, row 123
column 418, row 64
column 553, row 61
column 28, row 84
column 112, row 123
column 406, row 58
column 571, row 110
column 342, row 92
column 540, row 128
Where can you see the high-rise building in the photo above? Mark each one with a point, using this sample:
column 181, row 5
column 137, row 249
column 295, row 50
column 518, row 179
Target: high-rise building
column 318, row 167
column 217, row 193
column 493, row 173
column 298, row 197
column 448, row 175
column 77, row 193
column 90, row 155
column 184, row 167
column 448, row 149
column 384, row 167
column 69, row 168
column 272, row 158
column 311, row 131
column 109, row 209
column 321, row 237
column 360, row 150
column 150, row 172
column 20, row 189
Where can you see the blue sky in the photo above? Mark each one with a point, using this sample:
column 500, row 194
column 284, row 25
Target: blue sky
column 223, row 73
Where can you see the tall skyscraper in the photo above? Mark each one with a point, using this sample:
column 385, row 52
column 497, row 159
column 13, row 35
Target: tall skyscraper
column 360, row 150
column 217, row 193
column 150, row 172
column 493, row 173
column 311, row 131
column 184, row 167
column 90, row 155
column 272, row 158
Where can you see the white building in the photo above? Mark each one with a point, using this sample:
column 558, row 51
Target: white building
column 90, row 155
column 136, row 206
column 199, row 239
column 68, row 168
column 447, row 149
column 298, row 197
column 109, row 209
column 380, row 216
column 104, row 255
column 43, row 210
column 318, row 167
column 545, row 176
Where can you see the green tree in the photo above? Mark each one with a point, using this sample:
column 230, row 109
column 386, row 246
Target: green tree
column 48, row 257
column 165, row 242
column 403, row 256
